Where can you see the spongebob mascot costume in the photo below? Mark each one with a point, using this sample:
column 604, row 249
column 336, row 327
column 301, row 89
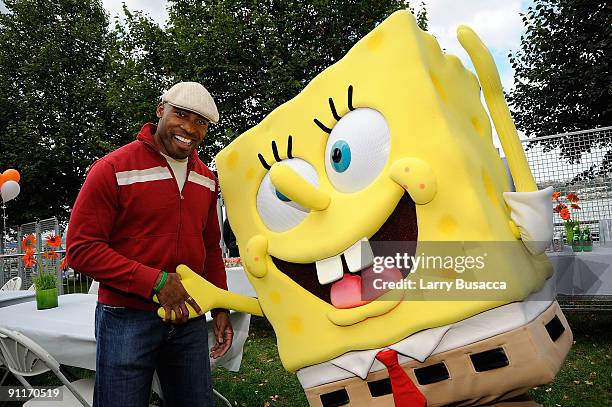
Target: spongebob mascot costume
column 393, row 144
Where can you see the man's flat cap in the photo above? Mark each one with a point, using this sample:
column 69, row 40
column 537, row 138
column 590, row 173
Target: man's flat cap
column 194, row 97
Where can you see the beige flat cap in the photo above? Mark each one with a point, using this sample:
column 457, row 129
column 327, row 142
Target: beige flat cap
column 194, row 97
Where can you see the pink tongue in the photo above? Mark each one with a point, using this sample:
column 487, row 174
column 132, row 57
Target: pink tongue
column 353, row 291
column 369, row 288
column 346, row 293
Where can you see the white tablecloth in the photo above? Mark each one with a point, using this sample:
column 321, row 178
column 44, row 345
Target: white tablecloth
column 67, row 332
column 583, row 273
column 8, row 298
column 238, row 282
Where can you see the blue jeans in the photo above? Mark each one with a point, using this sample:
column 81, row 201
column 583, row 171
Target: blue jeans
column 132, row 344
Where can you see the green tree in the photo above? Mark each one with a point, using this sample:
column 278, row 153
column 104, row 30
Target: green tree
column 137, row 73
column 53, row 124
column 562, row 72
column 72, row 89
column 252, row 55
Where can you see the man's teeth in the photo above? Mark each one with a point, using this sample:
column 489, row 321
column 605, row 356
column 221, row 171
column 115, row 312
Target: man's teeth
column 184, row 140
column 357, row 257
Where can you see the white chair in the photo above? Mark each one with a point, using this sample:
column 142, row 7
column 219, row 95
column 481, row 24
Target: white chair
column 3, row 369
column 223, row 399
column 24, row 357
column 13, row 284
column 5, row 373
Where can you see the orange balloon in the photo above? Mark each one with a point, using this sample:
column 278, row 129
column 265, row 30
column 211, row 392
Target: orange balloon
column 2, row 179
column 11, row 175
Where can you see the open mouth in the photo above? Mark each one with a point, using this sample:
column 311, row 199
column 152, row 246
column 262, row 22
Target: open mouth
column 185, row 142
column 341, row 280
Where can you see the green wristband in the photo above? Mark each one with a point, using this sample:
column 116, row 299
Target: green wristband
column 161, row 283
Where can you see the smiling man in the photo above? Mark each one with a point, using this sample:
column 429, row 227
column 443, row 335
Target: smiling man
column 144, row 209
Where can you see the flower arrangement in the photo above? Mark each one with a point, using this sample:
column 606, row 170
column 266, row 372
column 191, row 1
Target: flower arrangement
column 45, row 280
column 232, row 262
column 64, row 264
column 28, row 245
column 565, row 212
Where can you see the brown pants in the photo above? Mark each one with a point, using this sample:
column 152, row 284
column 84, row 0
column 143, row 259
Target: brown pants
column 499, row 368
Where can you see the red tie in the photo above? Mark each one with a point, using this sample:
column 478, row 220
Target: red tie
column 405, row 393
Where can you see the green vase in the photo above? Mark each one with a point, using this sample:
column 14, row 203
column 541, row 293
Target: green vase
column 587, row 246
column 46, row 299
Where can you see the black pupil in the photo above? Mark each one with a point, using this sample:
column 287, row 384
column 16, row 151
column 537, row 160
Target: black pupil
column 336, row 155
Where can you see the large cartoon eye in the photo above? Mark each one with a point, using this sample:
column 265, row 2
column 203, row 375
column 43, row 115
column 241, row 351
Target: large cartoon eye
column 278, row 212
column 357, row 149
column 340, row 156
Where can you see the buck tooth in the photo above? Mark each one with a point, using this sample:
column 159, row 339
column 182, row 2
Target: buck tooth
column 329, row 270
column 359, row 256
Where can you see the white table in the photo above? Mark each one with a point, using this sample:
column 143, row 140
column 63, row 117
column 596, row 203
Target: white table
column 8, row 298
column 583, row 273
column 238, row 282
column 67, row 332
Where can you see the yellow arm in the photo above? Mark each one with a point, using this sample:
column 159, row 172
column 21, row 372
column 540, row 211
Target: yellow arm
column 209, row 296
column 500, row 114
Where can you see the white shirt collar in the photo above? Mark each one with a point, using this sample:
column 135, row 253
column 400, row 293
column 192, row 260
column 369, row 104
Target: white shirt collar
column 416, row 347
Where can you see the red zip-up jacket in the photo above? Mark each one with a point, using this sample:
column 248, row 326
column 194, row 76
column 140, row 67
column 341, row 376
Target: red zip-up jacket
column 130, row 221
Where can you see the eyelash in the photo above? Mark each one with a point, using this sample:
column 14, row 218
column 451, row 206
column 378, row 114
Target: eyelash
column 277, row 158
column 326, row 129
column 333, row 111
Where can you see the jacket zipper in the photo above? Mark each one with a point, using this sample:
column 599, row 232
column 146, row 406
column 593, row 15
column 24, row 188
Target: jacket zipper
column 181, row 198
column 190, row 165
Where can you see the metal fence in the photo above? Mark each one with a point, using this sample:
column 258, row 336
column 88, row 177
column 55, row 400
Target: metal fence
column 578, row 162
column 11, row 262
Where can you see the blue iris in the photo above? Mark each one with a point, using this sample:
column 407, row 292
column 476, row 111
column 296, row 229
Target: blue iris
column 340, row 156
column 281, row 196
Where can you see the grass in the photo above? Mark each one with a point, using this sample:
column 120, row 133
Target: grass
column 584, row 380
column 262, row 379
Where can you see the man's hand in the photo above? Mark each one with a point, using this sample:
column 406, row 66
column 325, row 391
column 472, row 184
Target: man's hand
column 173, row 297
column 223, row 334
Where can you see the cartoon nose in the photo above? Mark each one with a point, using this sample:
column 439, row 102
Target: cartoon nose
column 291, row 184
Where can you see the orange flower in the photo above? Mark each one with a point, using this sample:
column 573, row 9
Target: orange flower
column 28, row 242
column 64, row 264
column 575, row 206
column 54, row 241
column 572, row 197
column 565, row 214
column 50, row 254
column 28, row 258
column 559, row 208
column 556, row 195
